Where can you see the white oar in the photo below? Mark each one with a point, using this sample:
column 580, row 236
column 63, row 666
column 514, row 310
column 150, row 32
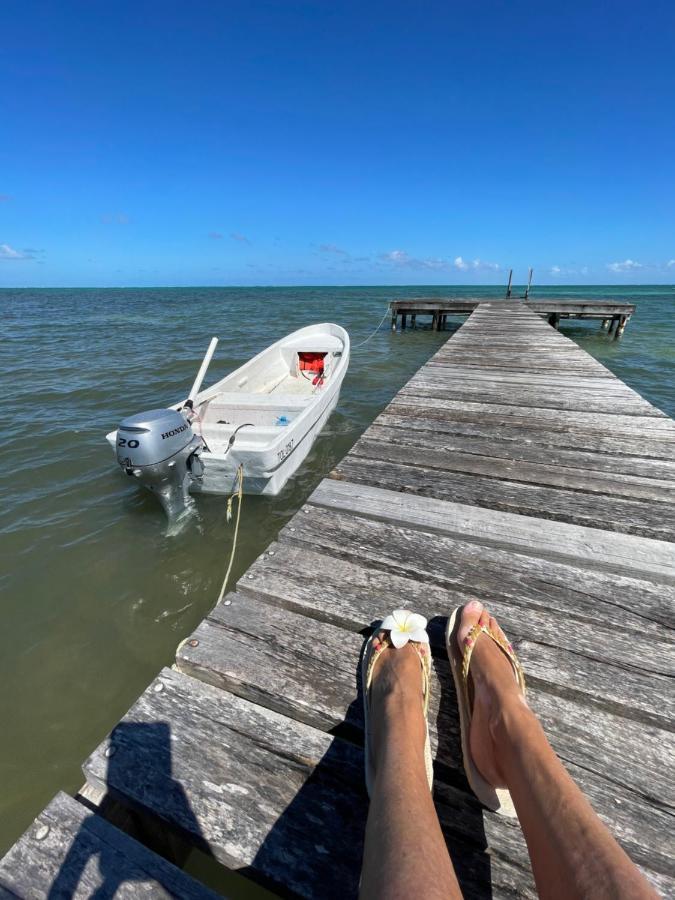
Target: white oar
column 202, row 372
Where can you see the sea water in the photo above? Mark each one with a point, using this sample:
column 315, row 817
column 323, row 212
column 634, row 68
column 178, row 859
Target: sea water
column 95, row 595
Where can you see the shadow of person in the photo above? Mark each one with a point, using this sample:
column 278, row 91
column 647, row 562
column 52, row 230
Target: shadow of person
column 324, row 859
column 147, row 747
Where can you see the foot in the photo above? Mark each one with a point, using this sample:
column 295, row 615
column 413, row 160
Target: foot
column 495, row 692
column 397, row 723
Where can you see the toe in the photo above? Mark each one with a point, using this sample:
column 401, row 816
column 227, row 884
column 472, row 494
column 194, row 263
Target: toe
column 471, row 614
column 378, row 639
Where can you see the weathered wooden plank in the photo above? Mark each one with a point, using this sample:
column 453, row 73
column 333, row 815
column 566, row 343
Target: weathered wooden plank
column 368, row 558
column 578, row 479
column 541, row 417
column 397, row 430
column 478, row 369
column 69, row 851
column 613, row 399
column 518, row 364
column 484, row 369
column 590, row 654
column 584, row 547
column 627, row 516
column 251, row 648
column 411, row 417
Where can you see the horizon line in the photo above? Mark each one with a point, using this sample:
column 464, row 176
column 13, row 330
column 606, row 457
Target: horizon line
column 152, row 287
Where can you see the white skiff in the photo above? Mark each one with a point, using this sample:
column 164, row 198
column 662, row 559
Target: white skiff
column 264, row 416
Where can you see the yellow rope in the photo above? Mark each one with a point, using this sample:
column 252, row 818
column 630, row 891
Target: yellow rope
column 238, row 493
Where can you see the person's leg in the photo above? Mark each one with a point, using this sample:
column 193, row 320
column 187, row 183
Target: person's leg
column 404, row 854
column 573, row 854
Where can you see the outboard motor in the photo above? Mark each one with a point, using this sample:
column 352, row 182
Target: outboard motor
column 160, row 448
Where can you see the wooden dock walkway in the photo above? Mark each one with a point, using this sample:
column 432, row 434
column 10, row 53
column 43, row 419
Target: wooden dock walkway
column 512, row 467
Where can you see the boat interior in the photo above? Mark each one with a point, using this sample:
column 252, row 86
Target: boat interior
column 269, row 392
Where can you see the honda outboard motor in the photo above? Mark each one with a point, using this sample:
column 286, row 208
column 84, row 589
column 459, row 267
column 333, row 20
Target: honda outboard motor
column 160, row 449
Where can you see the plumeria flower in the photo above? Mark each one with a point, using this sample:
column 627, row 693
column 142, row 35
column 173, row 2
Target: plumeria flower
column 405, row 626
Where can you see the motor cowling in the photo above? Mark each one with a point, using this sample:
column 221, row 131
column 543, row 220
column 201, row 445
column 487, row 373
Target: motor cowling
column 160, row 449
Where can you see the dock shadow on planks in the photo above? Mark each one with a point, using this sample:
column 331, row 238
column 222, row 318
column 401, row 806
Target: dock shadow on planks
column 155, row 738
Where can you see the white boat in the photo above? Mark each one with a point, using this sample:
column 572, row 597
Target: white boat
column 264, row 416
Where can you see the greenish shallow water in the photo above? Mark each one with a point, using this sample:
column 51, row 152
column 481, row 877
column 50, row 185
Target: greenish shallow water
column 95, row 596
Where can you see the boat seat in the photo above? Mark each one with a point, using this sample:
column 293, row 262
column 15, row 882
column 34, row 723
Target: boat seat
column 320, row 343
column 264, row 401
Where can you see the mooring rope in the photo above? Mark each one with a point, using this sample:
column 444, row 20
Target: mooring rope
column 238, row 493
column 386, row 313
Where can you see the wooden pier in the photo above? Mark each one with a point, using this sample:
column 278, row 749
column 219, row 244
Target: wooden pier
column 614, row 316
column 512, row 467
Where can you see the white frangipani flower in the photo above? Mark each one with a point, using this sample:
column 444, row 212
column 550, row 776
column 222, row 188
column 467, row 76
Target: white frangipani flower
column 405, row 626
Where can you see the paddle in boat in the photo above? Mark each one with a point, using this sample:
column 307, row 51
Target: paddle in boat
column 264, row 416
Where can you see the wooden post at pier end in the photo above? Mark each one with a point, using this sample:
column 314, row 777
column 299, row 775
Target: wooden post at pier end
column 508, row 287
column 605, row 323
column 529, row 283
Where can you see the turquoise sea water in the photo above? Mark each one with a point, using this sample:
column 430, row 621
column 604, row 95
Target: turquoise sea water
column 95, row 596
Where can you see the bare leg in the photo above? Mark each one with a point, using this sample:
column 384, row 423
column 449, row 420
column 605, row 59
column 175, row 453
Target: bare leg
column 573, row 854
column 405, row 854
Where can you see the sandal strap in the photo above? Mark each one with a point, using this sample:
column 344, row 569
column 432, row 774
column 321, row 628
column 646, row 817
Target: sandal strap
column 506, row 648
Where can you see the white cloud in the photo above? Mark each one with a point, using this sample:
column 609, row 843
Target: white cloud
column 436, row 263
column 555, row 270
column 403, row 259
column 670, row 264
column 7, row 252
column 400, row 257
column 482, row 264
column 627, row 265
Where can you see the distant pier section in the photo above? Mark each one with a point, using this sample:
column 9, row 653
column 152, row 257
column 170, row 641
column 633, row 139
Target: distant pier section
column 613, row 316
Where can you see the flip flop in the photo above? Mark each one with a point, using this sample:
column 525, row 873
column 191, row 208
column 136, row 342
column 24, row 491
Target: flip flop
column 497, row 799
column 403, row 627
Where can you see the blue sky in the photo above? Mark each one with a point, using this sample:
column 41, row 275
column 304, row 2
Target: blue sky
column 336, row 143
